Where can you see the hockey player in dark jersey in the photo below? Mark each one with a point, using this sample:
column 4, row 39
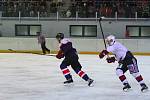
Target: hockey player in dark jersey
column 126, row 62
column 71, row 58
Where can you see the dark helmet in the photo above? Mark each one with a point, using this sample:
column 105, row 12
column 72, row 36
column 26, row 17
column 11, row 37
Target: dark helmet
column 59, row 36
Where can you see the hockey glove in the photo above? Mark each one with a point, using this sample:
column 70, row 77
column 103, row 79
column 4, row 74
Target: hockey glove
column 103, row 53
column 111, row 59
column 60, row 54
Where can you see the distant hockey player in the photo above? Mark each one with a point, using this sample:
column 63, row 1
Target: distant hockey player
column 42, row 42
column 126, row 62
column 71, row 58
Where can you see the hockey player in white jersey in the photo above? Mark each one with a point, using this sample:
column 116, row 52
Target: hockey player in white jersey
column 126, row 62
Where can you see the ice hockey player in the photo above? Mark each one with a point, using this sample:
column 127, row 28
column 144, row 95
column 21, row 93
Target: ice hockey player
column 126, row 62
column 71, row 58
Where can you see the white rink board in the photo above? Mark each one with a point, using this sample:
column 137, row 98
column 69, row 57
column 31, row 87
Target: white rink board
column 38, row 77
column 89, row 45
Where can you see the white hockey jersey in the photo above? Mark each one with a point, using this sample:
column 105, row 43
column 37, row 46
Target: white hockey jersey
column 118, row 50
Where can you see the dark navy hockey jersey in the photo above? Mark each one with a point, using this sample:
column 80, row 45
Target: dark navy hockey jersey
column 67, row 48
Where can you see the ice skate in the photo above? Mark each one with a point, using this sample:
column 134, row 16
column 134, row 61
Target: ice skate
column 126, row 87
column 69, row 81
column 144, row 87
column 90, row 82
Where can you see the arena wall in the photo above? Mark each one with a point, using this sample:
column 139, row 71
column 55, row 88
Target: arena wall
column 83, row 44
column 87, row 46
column 51, row 27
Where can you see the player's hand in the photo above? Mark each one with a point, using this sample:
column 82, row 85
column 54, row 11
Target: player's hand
column 59, row 56
column 111, row 59
column 103, row 53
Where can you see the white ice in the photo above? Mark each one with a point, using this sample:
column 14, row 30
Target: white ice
column 38, row 77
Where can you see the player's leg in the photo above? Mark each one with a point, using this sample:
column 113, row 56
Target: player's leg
column 120, row 70
column 139, row 79
column 133, row 68
column 84, row 76
column 66, row 71
column 78, row 69
column 43, row 48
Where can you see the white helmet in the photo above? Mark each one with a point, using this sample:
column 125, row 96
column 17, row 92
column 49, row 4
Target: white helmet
column 110, row 40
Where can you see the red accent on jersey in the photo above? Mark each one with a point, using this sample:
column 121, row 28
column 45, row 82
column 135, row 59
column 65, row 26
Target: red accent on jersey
column 139, row 78
column 122, row 78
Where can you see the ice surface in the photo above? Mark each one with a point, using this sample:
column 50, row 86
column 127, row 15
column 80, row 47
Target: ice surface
column 38, row 77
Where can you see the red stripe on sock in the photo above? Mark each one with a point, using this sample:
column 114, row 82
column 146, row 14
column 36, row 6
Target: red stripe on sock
column 139, row 78
column 81, row 73
column 66, row 71
column 122, row 78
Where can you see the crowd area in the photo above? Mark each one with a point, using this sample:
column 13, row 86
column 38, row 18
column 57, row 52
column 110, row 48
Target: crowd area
column 73, row 8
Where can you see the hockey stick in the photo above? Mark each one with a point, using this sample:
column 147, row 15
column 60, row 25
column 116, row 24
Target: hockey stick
column 30, row 53
column 100, row 24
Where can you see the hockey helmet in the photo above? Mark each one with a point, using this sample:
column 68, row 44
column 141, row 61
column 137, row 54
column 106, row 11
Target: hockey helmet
column 59, row 36
column 110, row 40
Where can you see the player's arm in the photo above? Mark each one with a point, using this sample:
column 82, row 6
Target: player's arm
column 103, row 53
column 60, row 54
column 111, row 59
column 106, row 52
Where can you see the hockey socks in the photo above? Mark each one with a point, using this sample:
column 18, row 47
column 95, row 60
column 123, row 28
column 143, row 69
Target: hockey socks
column 123, row 79
column 85, row 77
column 82, row 74
column 139, row 79
column 66, row 73
column 121, row 76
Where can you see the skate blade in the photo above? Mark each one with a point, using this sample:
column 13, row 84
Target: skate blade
column 127, row 90
column 69, row 84
column 92, row 85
